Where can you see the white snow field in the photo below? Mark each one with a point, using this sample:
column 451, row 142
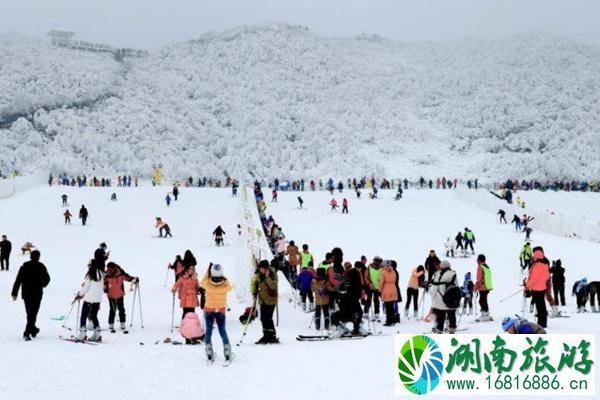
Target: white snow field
column 363, row 369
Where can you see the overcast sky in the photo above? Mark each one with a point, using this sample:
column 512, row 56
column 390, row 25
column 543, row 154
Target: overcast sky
column 154, row 23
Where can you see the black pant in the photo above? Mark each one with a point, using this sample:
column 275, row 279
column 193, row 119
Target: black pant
column 83, row 220
column 114, row 305
column 167, row 231
column 412, row 293
column 390, row 315
column 307, row 293
column 266, row 317
column 469, row 244
column 539, row 299
column 372, row 297
column 187, row 310
column 350, row 311
column 89, row 311
column 483, row 302
column 32, row 306
column 559, row 293
column 325, row 309
column 440, row 316
column 502, row 218
column 344, row 210
column 4, row 261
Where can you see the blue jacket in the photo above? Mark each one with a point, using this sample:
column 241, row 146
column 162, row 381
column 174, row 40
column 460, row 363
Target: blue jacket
column 305, row 280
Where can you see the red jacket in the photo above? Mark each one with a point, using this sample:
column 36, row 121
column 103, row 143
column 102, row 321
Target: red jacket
column 539, row 274
column 188, row 291
column 113, row 282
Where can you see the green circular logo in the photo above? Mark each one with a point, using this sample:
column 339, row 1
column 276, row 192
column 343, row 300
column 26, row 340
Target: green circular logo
column 420, row 364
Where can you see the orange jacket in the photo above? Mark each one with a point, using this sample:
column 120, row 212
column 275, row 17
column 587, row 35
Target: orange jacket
column 538, row 277
column 413, row 281
column 188, row 291
column 387, row 285
column 293, row 255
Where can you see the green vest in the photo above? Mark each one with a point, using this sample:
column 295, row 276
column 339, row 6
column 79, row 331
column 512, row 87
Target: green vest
column 305, row 259
column 322, row 265
column 375, row 276
column 487, row 276
column 469, row 235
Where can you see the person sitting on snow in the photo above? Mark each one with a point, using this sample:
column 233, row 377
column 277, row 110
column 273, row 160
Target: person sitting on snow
column 521, row 327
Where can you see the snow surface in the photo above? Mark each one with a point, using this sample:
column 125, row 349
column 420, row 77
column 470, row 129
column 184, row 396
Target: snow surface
column 403, row 230
column 526, row 106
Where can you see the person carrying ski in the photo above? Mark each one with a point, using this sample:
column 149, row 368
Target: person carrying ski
column 187, row 288
column 216, row 287
column 91, row 294
column 218, row 235
column 389, row 292
column 442, row 281
column 483, row 285
column 67, row 214
column 305, row 286
column 115, row 291
column 264, row 288
column 31, row 279
column 168, row 200
column 469, row 240
column 581, row 292
column 537, row 282
column 467, row 290
column 5, row 250
column 83, row 214
column 521, row 327
column 344, row 206
column 321, row 288
column 502, row 215
column 558, row 283
column 526, row 256
column 412, row 291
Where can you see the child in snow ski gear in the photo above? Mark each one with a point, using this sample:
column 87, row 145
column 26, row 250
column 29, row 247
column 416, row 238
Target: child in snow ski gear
column 441, row 282
column 218, row 235
column 168, row 200
column 264, row 285
column 162, row 226
column 187, row 288
column 191, row 328
column 558, row 282
column 91, row 294
column 537, row 281
column 450, row 245
column 334, row 205
column 32, row 278
column 305, row 286
column 389, row 293
column 467, row 290
column 412, row 291
column 521, row 327
column 67, row 214
column 115, row 291
column 321, row 288
column 483, row 285
column 580, row 290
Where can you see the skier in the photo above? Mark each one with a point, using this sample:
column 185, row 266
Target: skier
column 168, row 200
column 294, row 259
column 187, row 288
column 113, row 197
column 5, row 249
column 27, row 247
column 398, row 193
column 469, row 240
column 432, row 263
column 91, row 294
column 526, row 256
column 389, row 293
column 115, row 291
column 502, row 215
column 334, row 205
column 162, row 225
column 264, row 288
column 218, row 235
column 300, row 202
column 528, row 231
column 593, row 289
column 67, row 214
column 357, row 191
column 521, row 327
column 305, row 256
column 216, row 288
column 517, row 221
column 412, row 291
column 442, row 281
column 321, row 288
column 350, row 310
column 83, row 214
column 305, row 286
column 64, row 198
column 558, row 283
column 32, row 278
column 175, row 192
column 344, row 206
column 459, row 238
column 102, row 251
column 539, row 274
column 274, row 196
column 467, row 290
column 177, row 267
column 373, row 294
column 450, row 245
column 581, row 292
column 483, row 285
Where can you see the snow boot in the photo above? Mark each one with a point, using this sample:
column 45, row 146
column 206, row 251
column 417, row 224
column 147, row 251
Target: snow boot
column 35, row 332
column 406, row 313
column 209, row 352
column 96, row 336
column 263, row 339
column 439, row 332
column 26, row 337
column 531, row 308
column 124, row 327
column 594, row 309
column 554, row 312
column 338, row 331
column 416, row 314
column 82, row 334
column 452, row 331
column 111, row 327
column 227, row 352
column 579, row 310
column 272, row 337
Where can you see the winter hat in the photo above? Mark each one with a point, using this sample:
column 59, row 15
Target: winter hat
column 507, row 323
column 468, row 276
column 445, row 265
column 387, row 263
column 264, row 264
column 216, row 271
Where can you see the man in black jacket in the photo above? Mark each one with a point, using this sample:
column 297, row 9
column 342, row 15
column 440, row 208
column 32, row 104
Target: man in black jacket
column 5, row 249
column 558, row 282
column 83, row 214
column 32, row 279
column 432, row 263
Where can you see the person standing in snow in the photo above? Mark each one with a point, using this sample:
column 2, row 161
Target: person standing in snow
column 467, row 290
column 442, row 279
column 321, row 288
column 412, row 290
column 187, row 287
column 32, row 278
column 162, row 226
column 168, row 200
column 450, row 245
column 469, row 240
column 64, row 198
column 558, row 282
column 263, row 287
column 373, row 294
column 344, row 206
column 67, row 214
column 483, row 285
column 305, row 279
column 300, row 202
column 459, row 242
column 5, row 250
column 218, row 235
column 593, row 289
column 274, row 196
column 517, row 221
column 175, row 192
column 581, row 292
column 502, row 215
column 216, row 287
column 389, row 293
column 115, row 291
column 526, row 256
column 350, row 309
column 83, row 214
column 432, row 263
column 334, row 205
column 537, row 281
column 91, row 294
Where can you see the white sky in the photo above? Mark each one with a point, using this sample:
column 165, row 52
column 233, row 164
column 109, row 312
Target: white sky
column 154, row 23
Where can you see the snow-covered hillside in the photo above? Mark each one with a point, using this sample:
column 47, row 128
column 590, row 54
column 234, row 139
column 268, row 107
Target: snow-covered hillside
column 281, row 100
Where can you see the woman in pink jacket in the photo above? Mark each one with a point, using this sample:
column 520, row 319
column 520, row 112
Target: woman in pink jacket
column 187, row 287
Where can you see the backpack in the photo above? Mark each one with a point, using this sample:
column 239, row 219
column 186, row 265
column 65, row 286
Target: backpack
column 453, row 294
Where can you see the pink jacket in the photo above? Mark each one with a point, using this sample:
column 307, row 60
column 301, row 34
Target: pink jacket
column 190, row 327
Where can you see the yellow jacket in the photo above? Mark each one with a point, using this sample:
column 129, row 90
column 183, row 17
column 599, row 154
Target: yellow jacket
column 215, row 294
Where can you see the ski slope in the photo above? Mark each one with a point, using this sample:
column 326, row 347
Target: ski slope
column 403, row 230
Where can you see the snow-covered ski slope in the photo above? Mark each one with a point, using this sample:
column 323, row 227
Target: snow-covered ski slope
column 523, row 106
column 403, row 230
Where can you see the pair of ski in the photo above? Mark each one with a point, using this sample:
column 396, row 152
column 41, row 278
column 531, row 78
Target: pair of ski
column 323, row 338
column 73, row 339
column 224, row 364
column 446, row 331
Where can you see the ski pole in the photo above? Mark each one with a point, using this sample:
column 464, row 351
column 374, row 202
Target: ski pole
column 68, row 315
column 248, row 320
column 140, row 303
column 133, row 306
column 277, row 314
column 173, row 313
column 166, row 276
column 512, row 295
column 77, row 320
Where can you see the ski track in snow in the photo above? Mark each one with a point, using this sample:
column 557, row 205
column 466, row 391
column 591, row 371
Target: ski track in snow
column 403, row 230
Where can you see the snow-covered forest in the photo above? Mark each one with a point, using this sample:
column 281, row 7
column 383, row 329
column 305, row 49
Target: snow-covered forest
column 279, row 100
